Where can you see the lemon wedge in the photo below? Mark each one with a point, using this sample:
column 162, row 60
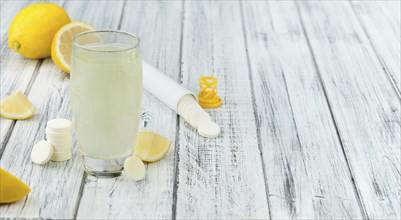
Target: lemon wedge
column 62, row 43
column 11, row 188
column 16, row 106
column 151, row 147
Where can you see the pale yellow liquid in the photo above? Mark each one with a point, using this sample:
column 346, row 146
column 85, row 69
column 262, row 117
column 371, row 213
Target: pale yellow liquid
column 106, row 93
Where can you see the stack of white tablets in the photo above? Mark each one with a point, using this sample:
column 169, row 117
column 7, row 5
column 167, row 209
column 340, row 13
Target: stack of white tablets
column 58, row 133
column 197, row 117
column 58, row 145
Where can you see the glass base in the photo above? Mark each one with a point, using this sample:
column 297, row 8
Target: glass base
column 103, row 168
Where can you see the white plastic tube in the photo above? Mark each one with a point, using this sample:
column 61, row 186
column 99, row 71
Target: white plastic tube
column 171, row 93
column 162, row 87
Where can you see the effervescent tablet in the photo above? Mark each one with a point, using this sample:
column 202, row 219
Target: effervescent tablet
column 41, row 152
column 134, row 168
column 208, row 129
column 58, row 125
column 198, row 116
column 61, row 157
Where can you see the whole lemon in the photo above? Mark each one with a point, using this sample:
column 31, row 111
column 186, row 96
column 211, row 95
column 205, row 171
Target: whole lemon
column 32, row 29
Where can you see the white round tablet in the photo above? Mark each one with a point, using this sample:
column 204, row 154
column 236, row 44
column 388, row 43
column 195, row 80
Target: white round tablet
column 197, row 117
column 41, row 152
column 182, row 107
column 187, row 97
column 187, row 112
column 61, row 157
column 59, row 153
column 57, row 142
column 208, row 129
column 59, row 124
column 134, row 168
column 61, row 148
column 187, row 106
column 57, row 137
column 60, row 133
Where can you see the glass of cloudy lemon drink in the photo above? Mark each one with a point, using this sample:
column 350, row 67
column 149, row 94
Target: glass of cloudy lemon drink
column 106, row 92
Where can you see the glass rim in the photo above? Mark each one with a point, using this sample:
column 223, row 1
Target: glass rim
column 105, row 31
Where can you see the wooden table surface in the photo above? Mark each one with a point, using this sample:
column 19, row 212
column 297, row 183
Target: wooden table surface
column 310, row 121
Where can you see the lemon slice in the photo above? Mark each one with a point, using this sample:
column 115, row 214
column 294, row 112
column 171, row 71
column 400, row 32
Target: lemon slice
column 151, row 147
column 62, row 43
column 11, row 188
column 16, row 106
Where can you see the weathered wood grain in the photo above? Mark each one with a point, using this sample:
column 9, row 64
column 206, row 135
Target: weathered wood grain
column 158, row 24
column 300, row 145
column 365, row 107
column 16, row 72
column 219, row 178
column 355, row 48
column 56, row 185
column 8, row 10
column 381, row 21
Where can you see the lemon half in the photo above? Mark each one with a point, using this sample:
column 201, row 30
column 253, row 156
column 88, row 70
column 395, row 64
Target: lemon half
column 16, row 106
column 62, row 43
column 151, row 147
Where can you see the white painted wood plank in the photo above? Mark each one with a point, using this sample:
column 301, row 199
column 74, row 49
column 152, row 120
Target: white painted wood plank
column 7, row 12
column 307, row 173
column 158, row 24
column 366, row 108
column 56, row 185
column 98, row 13
column 16, row 72
column 219, row 178
column 381, row 21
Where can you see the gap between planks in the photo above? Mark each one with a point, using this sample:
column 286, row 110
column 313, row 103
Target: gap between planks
column 319, row 76
column 255, row 109
column 178, row 121
column 295, row 136
column 386, row 70
column 27, row 90
column 30, row 83
column 374, row 197
column 220, row 178
column 26, row 210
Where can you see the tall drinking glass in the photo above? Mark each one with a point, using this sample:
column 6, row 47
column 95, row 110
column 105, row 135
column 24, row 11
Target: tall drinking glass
column 106, row 93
